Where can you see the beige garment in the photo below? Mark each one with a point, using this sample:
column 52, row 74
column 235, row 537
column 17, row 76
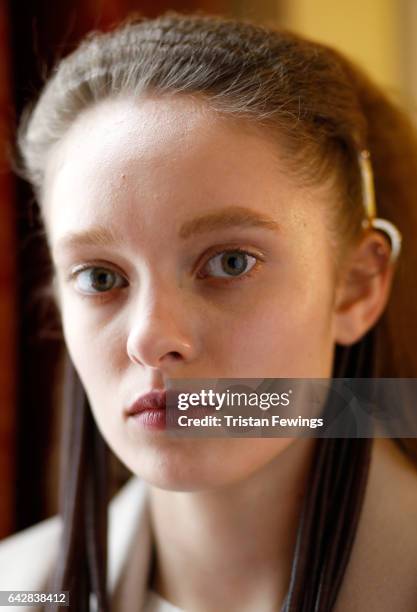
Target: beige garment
column 27, row 558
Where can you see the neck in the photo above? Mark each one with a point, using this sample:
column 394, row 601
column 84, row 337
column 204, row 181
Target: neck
column 231, row 547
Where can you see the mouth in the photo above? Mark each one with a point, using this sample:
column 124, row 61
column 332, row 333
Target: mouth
column 153, row 400
column 156, row 411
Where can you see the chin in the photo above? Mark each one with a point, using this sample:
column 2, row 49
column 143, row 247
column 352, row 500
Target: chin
column 181, row 480
column 175, row 465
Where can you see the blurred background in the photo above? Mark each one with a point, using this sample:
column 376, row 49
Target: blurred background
column 380, row 34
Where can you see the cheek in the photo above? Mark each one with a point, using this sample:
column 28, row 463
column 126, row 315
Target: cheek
column 94, row 356
column 94, row 349
column 279, row 335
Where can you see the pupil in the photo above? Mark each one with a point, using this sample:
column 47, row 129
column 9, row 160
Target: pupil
column 234, row 263
column 99, row 278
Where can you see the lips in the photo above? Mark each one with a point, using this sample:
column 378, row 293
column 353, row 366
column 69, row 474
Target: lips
column 157, row 400
column 154, row 400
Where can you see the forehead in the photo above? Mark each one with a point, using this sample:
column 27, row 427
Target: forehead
column 164, row 158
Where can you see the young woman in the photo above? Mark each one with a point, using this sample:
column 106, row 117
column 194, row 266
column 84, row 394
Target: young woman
column 206, row 187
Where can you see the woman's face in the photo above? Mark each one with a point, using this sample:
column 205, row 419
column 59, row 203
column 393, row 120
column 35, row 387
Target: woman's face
column 153, row 194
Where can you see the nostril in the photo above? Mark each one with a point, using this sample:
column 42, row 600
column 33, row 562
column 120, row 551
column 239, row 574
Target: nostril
column 176, row 355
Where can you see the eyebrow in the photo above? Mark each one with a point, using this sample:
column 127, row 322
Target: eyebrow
column 232, row 216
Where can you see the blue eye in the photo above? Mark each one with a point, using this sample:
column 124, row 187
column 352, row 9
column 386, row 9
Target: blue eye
column 94, row 280
column 231, row 263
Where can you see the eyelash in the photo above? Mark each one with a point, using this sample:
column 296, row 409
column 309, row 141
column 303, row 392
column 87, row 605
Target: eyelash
column 219, row 280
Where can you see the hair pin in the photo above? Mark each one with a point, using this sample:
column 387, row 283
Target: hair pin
column 371, row 220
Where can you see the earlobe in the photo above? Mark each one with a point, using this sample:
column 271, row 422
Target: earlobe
column 363, row 289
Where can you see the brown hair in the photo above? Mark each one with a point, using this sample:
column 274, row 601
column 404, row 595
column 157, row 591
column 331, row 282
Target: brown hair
column 327, row 110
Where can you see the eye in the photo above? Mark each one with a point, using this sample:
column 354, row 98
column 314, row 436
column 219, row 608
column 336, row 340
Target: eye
column 93, row 280
column 229, row 264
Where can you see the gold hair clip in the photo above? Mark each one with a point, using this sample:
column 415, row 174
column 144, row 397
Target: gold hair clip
column 371, row 219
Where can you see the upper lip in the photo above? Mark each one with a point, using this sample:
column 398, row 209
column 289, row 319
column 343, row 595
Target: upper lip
column 153, row 400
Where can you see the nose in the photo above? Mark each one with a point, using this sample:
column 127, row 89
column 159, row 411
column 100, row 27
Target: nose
column 160, row 334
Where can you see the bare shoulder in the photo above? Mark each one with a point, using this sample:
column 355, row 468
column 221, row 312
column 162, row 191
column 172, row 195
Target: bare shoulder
column 27, row 557
column 381, row 575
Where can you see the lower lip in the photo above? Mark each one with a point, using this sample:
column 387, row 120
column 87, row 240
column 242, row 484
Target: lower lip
column 154, row 418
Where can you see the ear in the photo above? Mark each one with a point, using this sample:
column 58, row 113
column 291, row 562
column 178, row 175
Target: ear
column 363, row 288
